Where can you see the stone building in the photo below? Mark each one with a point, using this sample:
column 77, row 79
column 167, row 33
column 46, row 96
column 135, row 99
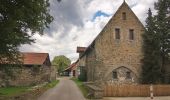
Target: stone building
column 35, row 69
column 115, row 54
column 81, row 62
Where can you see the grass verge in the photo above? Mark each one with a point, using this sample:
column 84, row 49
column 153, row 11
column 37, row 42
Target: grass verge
column 10, row 92
column 81, row 86
column 51, row 84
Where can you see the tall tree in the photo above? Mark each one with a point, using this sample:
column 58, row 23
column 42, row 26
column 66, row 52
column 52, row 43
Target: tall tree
column 163, row 31
column 17, row 18
column 61, row 62
column 151, row 63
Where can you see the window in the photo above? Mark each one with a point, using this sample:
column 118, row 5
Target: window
column 114, row 75
column 131, row 34
column 117, row 33
column 124, row 16
column 29, row 65
column 128, row 76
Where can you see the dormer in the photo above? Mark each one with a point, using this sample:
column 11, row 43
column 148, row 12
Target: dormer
column 81, row 50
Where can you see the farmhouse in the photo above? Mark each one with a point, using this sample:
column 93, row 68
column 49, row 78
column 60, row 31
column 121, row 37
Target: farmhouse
column 35, row 69
column 71, row 70
column 115, row 54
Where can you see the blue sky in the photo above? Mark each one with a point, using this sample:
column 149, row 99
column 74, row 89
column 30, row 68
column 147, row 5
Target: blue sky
column 99, row 14
column 78, row 22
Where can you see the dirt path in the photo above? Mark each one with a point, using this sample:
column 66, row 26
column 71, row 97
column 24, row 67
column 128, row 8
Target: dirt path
column 65, row 90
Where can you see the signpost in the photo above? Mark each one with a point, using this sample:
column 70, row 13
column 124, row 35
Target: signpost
column 151, row 92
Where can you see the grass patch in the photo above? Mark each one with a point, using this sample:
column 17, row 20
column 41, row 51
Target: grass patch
column 10, row 91
column 81, row 86
column 51, row 84
column 14, row 91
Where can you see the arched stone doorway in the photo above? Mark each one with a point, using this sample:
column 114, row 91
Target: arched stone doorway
column 121, row 75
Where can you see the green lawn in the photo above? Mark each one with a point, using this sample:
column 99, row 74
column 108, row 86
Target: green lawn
column 10, row 91
column 83, row 89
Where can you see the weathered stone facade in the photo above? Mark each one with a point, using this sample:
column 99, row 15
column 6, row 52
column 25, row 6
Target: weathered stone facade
column 36, row 69
column 107, row 54
column 27, row 76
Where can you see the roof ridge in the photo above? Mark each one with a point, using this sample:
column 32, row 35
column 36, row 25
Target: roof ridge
column 36, row 52
column 124, row 3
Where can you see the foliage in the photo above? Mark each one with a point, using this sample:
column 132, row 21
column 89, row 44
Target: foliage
column 81, row 86
column 61, row 62
column 17, row 19
column 151, row 63
column 10, row 91
column 163, row 31
column 156, row 46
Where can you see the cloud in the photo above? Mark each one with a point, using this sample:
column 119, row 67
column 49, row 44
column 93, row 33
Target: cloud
column 73, row 25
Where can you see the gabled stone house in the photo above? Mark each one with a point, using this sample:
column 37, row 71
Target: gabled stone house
column 35, row 69
column 115, row 54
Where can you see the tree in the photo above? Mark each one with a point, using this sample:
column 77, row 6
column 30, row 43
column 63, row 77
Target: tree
column 17, row 18
column 61, row 62
column 163, row 31
column 156, row 46
column 151, row 63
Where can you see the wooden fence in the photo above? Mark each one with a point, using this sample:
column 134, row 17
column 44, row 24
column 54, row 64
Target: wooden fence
column 113, row 90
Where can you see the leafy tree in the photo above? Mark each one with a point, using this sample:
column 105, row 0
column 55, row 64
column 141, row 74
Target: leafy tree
column 163, row 31
column 17, row 18
column 151, row 63
column 61, row 62
column 156, row 46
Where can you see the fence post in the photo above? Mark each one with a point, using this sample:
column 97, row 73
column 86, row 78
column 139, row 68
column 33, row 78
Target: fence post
column 151, row 91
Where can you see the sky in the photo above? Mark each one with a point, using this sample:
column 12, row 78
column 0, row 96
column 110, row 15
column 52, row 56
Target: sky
column 78, row 22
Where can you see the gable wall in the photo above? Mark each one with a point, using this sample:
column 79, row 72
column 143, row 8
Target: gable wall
column 116, row 53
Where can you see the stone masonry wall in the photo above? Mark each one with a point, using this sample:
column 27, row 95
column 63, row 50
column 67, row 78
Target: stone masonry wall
column 113, row 53
column 90, row 64
column 27, row 76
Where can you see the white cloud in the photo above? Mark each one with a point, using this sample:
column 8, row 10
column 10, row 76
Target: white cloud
column 73, row 25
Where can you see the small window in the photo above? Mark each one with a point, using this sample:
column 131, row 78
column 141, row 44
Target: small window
column 29, row 65
column 131, row 34
column 117, row 33
column 114, row 75
column 124, row 16
column 128, row 76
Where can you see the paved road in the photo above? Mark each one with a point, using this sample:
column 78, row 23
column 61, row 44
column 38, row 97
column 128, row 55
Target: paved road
column 137, row 98
column 65, row 90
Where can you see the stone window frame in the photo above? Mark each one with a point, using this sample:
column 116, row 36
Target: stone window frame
column 117, row 34
column 114, row 75
column 124, row 15
column 131, row 34
column 128, row 75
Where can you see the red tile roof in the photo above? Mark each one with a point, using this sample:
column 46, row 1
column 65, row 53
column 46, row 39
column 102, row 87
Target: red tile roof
column 30, row 58
column 81, row 49
column 70, row 67
column 34, row 58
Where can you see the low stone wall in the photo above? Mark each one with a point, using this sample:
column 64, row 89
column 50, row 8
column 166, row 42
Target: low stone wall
column 94, row 91
column 53, row 74
column 26, row 76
